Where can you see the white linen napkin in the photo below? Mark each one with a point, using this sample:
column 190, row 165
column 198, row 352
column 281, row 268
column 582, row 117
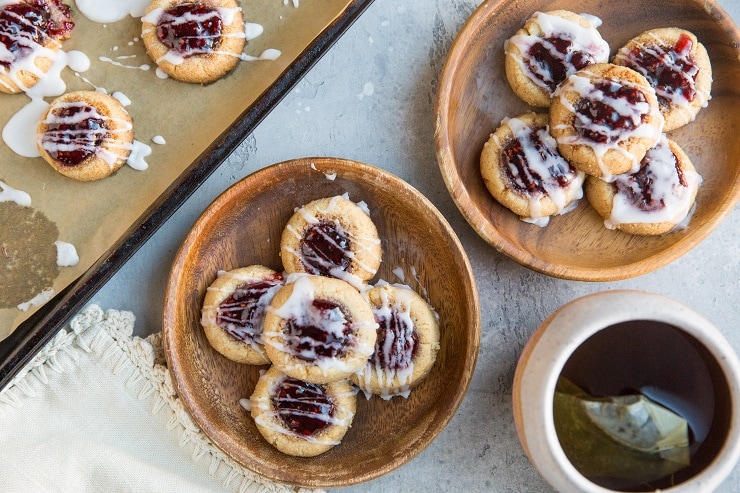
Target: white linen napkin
column 96, row 411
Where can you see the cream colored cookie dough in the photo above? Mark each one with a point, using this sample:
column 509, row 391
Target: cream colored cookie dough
column 604, row 119
column 652, row 201
column 524, row 171
column 200, row 57
column 319, row 329
column 669, row 57
column 299, row 418
column 407, row 344
column 332, row 237
column 89, row 125
column 233, row 312
column 534, row 62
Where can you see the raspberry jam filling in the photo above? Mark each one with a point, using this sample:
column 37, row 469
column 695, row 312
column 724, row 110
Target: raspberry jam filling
column 524, row 176
column 241, row 315
column 23, row 26
column 325, row 246
column 304, row 408
column 671, row 71
column 609, row 111
column 645, row 189
column 323, row 331
column 397, row 343
column 74, row 133
column 191, row 29
column 553, row 59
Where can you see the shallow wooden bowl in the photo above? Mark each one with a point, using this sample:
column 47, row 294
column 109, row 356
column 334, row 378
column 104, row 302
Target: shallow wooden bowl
column 474, row 96
column 243, row 227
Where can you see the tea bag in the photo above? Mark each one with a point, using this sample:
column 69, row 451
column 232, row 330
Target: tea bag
column 623, row 438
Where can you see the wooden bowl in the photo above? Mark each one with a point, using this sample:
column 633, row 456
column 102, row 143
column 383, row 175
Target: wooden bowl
column 474, row 96
column 243, row 227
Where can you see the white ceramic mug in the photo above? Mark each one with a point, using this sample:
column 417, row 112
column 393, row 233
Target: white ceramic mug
column 558, row 337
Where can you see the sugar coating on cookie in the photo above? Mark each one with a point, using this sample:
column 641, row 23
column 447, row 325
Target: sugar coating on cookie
column 407, row 343
column 85, row 135
column 653, row 200
column 524, row 171
column 550, row 47
column 300, row 418
column 233, row 312
column 194, row 41
column 319, row 329
column 677, row 66
column 30, row 38
column 604, row 119
column 331, row 237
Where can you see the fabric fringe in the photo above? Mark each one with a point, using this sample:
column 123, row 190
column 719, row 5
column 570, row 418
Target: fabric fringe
column 141, row 365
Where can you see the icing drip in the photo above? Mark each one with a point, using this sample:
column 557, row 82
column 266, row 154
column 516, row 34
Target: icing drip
column 671, row 71
column 658, row 192
column 38, row 300
column 66, row 254
column 562, row 48
column 10, row 194
column 301, row 410
column 608, row 113
column 536, row 169
column 316, row 331
column 111, row 10
column 242, row 313
column 76, row 131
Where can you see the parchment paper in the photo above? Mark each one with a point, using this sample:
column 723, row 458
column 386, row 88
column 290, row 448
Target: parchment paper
column 94, row 215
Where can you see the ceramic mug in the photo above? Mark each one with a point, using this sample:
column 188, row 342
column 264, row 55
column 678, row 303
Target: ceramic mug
column 550, row 351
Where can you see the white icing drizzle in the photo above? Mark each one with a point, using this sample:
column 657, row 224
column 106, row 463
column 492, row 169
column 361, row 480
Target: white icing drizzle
column 122, row 98
column 670, row 60
column 245, row 404
column 106, row 59
column 111, row 10
column 159, row 140
column 665, row 188
column 299, row 307
column 634, row 111
column 66, row 254
column 392, row 364
column 55, row 141
column 139, row 151
column 268, row 54
column 270, row 416
column 10, row 194
column 253, row 30
column 539, row 168
column 584, row 39
column 296, row 3
column 38, row 300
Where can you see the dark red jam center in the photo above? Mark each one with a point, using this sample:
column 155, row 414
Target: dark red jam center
column 325, row 247
column 669, row 71
column 24, row 25
column 526, row 179
column 74, row 139
column 310, row 337
column 557, row 57
column 397, row 343
column 640, row 186
column 241, row 313
column 303, row 407
column 595, row 112
column 190, row 28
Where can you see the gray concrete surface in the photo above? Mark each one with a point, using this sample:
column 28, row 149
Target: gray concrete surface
column 370, row 98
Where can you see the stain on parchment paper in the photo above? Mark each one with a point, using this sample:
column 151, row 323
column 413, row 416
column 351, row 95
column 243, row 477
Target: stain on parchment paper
column 28, row 256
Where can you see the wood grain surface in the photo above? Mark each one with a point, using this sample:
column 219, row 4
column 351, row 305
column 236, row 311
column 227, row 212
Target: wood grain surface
column 243, row 227
column 474, row 96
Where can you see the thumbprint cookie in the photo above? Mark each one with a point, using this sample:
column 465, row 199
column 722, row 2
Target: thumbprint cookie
column 31, row 33
column 651, row 201
column 331, row 237
column 319, row 329
column 407, row 343
column 524, row 172
column 677, row 66
column 233, row 312
column 550, row 47
column 85, row 135
column 301, row 418
column 194, row 41
column 604, row 118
